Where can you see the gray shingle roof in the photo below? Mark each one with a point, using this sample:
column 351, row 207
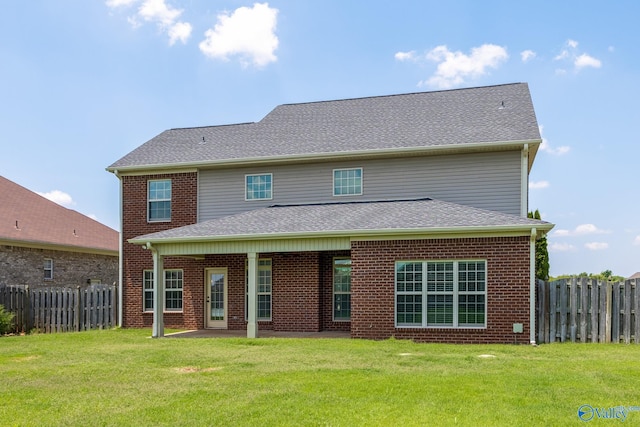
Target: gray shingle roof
column 352, row 218
column 489, row 114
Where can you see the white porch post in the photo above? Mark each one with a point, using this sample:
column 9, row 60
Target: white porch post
column 158, row 293
column 252, row 266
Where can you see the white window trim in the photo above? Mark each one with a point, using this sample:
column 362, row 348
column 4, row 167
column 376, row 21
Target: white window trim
column 333, row 186
column 50, row 269
column 145, row 290
column 425, row 293
column 333, row 290
column 258, row 293
column 246, row 187
column 165, row 310
column 158, row 200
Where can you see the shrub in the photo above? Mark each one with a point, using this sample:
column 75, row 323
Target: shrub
column 5, row 320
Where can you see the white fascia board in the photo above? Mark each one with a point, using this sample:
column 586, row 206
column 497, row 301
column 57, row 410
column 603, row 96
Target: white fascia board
column 382, row 234
column 296, row 158
column 57, row 247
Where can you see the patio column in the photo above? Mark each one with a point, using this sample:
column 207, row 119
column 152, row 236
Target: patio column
column 252, row 266
column 158, row 293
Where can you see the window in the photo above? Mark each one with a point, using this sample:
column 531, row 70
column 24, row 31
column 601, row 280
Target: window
column 347, row 182
column 341, row 289
column 48, row 269
column 441, row 294
column 147, row 290
column 159, row 200
column 258, row 187
column 263, row 300
column 172, row 290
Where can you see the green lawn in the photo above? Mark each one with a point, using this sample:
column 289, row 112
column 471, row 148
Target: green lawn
column 122, row 377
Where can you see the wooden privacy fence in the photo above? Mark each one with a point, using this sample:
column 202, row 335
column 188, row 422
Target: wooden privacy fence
column 55, row 309
column 583, row 310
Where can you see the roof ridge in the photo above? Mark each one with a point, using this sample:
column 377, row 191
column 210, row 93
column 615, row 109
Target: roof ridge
column 214, row 126
column 398, row 94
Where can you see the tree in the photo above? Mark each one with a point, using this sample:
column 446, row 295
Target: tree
column 542, row 253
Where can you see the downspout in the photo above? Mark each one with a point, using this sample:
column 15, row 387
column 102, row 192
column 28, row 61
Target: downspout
column 532, row 286
column 524, row 182
column 120, row 256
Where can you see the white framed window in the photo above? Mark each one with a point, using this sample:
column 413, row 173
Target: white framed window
column 258, row 187
column 173, row 285
column 441, row 294
column 159, row 200
column 347, row 182
column 147, row 290
column 48, row 269
column 264, row 287
column 342, row 289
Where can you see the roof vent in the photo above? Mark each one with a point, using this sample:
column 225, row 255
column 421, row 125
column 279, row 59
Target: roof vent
column 203, row 141
column 501, row 107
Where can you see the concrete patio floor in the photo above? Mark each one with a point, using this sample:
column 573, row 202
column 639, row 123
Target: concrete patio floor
column 224, row 333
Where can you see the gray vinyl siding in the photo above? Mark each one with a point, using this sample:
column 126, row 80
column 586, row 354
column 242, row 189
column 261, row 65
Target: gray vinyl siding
column 483, row 180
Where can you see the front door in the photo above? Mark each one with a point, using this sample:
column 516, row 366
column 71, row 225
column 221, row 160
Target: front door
column 215, row 306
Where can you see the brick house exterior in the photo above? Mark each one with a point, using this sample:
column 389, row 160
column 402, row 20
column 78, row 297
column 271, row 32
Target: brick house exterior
column 45, row 244
column 401, row 216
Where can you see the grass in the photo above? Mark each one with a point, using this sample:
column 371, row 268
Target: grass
column 122, row 377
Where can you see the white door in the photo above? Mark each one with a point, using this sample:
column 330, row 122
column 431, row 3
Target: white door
column 216, row 298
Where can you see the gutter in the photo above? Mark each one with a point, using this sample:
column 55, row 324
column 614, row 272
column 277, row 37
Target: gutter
column 353, row 234
column 326, row 156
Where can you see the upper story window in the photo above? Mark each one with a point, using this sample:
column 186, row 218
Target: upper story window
column 48, row 269
column 347, row 182
column 259, row 187
column 159, row 200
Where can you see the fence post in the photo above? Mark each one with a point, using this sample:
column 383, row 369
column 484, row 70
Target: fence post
column 636, row 311
column 607, row 331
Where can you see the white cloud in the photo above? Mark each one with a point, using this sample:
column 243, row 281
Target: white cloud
column 596, row 246
column 585, row 60
column 580, row 230
column 59, row 197
column 118, row 3
column 162, row 14
column 248, row 33
column 527, row 55
column 636, row 241
column 578, row 60
column 405, row 56
column 544, row 146
column 179, row 31
column 454, row 68
column 561, row 247
column 537, row 185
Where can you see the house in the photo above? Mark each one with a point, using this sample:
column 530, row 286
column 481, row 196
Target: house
column 635, row 276
column 402, row 215
column 43, row 243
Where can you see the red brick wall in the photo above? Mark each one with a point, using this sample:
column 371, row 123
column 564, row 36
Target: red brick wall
column 373, row 288
column 296, row 292
column 136, row 259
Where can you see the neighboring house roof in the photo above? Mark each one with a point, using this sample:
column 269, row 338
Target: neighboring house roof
column 31, row 220
column 635, row 276
column 426, row 216
column 487, row 117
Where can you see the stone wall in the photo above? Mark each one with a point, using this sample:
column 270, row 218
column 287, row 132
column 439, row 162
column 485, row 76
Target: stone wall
column 25, row 266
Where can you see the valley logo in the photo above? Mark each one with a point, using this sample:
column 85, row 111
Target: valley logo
column 588, row 412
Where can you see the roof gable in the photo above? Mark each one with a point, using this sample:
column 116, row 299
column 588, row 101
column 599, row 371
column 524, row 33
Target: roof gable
column 29, row 219
column 451, row 118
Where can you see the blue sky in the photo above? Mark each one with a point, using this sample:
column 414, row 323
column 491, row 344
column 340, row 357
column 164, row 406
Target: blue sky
column 82, row 83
